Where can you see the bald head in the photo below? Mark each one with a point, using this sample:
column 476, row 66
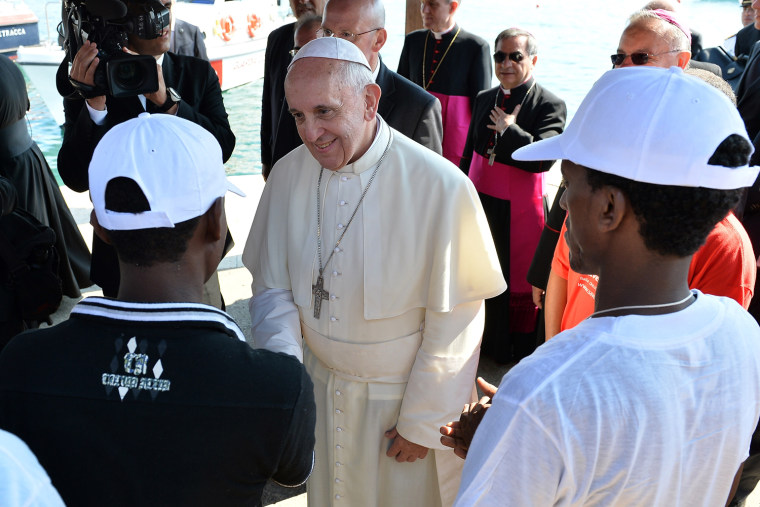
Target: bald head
column 665, row 44
column 666, row 5
column 361, row 22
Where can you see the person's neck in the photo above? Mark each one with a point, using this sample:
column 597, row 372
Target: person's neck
column 658, row 281
column 160, row 283
column 443, row 31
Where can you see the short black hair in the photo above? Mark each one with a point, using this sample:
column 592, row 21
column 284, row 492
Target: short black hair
column 145, row 247
column 675, row 220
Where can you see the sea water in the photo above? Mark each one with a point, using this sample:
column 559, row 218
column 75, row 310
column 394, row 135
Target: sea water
column 575, row 40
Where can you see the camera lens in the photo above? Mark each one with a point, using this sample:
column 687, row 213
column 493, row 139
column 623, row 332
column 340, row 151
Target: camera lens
column 129, row 75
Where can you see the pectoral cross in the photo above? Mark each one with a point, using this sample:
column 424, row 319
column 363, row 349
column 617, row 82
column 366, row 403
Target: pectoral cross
column 320, row 293
column 492, row 155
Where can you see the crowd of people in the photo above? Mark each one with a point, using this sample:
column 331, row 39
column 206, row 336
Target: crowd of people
column 402, row 234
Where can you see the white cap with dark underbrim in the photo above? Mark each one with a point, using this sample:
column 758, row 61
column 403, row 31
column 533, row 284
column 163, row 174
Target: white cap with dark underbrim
column 651, row 125
column 333, row 48
column 176, row 163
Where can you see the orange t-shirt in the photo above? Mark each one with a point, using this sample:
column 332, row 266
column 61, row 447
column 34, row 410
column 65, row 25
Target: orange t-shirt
column 724, row 266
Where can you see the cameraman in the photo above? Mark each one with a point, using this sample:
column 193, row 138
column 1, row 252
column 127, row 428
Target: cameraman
column 187, row 87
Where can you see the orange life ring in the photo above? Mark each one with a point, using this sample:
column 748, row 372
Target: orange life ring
column 254, row 23
column 226, row 27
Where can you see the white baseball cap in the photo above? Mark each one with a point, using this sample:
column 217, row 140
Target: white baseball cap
column 175, row 162
column 651, row 125
column 333, row 48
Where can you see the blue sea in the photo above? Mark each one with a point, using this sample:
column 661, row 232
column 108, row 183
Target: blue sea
column 575, row 40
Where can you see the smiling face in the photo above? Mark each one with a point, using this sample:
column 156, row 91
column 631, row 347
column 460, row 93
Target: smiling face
column 511, row 74
column 581, row 238
column 335, row 122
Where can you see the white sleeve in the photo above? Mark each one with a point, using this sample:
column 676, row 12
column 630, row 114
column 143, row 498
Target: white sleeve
column 513, row 460
column 275, row 323
column 97, row 117
column 442, row 379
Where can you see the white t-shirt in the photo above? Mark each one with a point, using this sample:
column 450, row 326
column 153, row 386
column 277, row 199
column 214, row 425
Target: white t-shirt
column 23, row 482
column 633, row 410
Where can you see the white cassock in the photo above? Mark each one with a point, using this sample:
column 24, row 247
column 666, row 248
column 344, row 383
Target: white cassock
column 398, row 338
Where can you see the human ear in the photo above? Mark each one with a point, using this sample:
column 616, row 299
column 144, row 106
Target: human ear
column 380, row 39
column 215, row 225
column 98, row 229
column 683, row 59
column 612, row 205
column 371, row 100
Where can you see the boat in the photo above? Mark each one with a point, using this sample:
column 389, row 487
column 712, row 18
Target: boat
column 235, row 35
column 18, row 27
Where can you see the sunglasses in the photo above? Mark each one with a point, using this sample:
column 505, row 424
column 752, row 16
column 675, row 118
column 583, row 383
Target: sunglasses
column 515, row 56
column 637, row 58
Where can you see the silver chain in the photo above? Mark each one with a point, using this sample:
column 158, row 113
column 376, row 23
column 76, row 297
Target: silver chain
column 345, row 229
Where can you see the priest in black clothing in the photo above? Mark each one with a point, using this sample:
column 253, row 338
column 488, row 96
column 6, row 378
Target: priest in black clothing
column 450, row 63
column 276, row 60
column 510, row 116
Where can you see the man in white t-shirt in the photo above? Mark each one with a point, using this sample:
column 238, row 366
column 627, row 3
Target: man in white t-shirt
column 653, row 399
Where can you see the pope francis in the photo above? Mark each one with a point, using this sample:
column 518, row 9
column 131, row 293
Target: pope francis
column 371, row 257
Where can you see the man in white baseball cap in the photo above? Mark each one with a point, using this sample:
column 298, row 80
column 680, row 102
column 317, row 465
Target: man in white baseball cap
column 654, row 398
column 154, row 397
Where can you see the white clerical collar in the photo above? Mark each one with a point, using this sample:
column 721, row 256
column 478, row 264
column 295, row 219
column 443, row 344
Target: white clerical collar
column 439, row 35
column 376, row 71
column 160, row 59
column 375, row 151
column 509, row 92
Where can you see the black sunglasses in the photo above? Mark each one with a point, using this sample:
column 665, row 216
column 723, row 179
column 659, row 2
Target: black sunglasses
column 515, row 56
column 637, row 58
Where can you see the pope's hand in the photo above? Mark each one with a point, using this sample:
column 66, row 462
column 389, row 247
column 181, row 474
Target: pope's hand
column 402, row 449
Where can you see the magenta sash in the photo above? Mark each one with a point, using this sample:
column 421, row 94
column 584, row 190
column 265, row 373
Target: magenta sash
column 525, row 192
column 456, row 112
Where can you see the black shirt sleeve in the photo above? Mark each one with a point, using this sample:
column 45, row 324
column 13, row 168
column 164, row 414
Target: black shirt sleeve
column 297, row 456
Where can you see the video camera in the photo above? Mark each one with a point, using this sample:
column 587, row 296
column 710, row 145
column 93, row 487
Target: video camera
column 107, row 23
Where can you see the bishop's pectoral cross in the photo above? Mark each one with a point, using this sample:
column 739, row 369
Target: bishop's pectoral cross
column 320, row 293
column 491, row 155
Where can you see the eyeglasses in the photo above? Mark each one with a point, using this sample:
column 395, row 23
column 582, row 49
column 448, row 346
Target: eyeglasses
column 294, row 51
column 326, row 32
column 637, row 58
column 515, row 56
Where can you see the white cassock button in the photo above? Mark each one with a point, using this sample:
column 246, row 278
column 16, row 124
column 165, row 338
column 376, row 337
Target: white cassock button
column 338, row 464
column 338, row 429
column 339, row 447
column 337, row 249
column 338, row 411
column 338, row 480
column 340, row 226
column 344, row 178
column 333, row 319
column 332, row 298
column 335, row 273
column 337, row 497
column 337, row 392
column 343, row 203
